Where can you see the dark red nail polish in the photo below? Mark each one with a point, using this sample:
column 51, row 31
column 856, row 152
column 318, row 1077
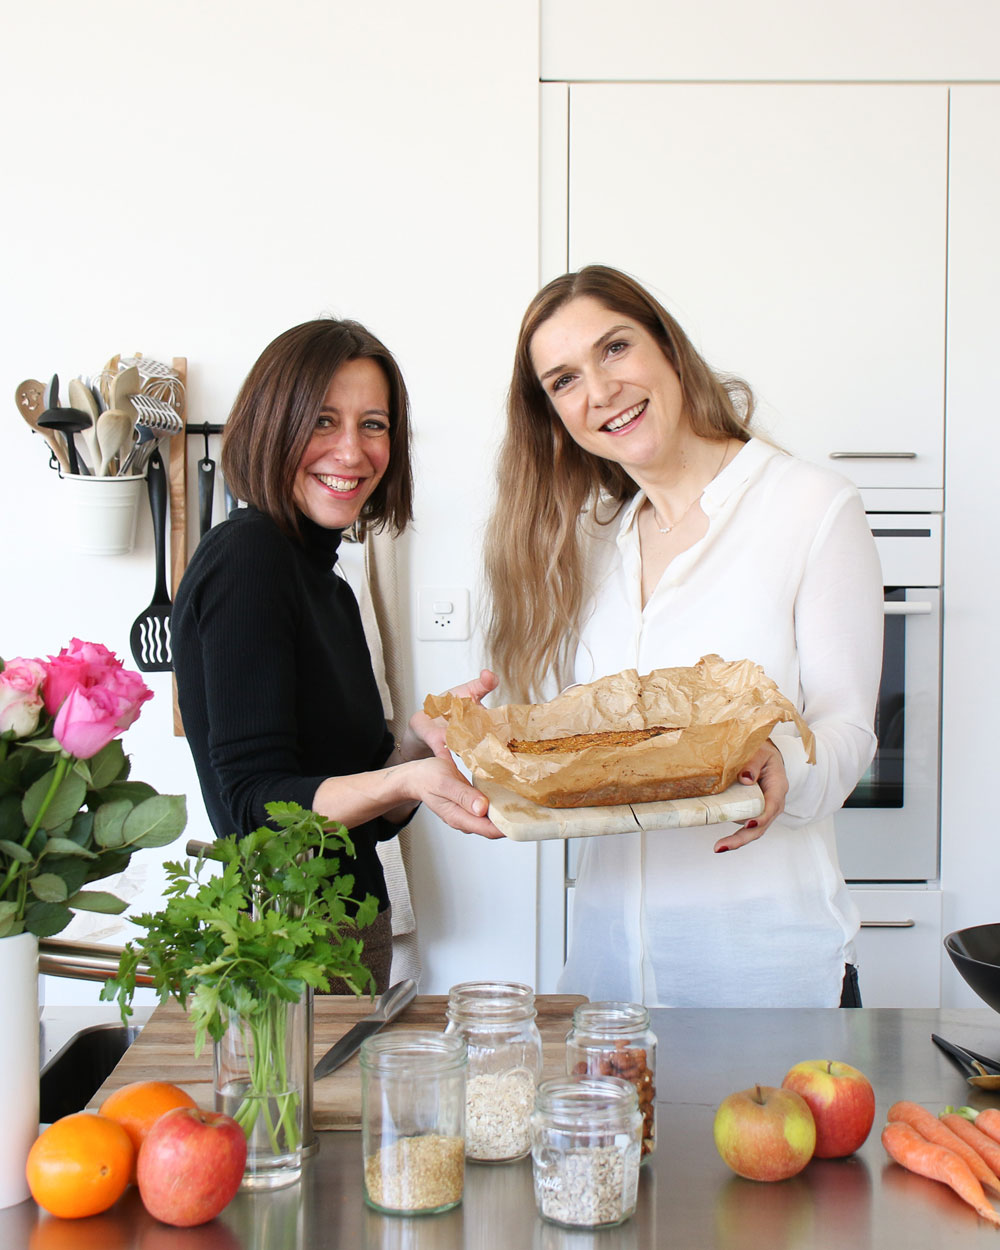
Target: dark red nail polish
column 751, row 824
column 721, row 849
column 747, row 776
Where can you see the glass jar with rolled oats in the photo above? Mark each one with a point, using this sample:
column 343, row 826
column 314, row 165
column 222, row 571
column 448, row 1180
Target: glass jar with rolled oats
column 497, row 1021
column 614, row 1039
column 585, row 1149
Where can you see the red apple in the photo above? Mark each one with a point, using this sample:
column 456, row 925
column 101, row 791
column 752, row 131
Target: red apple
column 765, row 1134
column 190, row 1165
column 842, row 1102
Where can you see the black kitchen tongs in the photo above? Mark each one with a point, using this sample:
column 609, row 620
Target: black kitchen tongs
column 974, row 1066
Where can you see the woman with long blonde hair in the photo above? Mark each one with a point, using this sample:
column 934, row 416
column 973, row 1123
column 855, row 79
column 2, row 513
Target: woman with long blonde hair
column 640, row 523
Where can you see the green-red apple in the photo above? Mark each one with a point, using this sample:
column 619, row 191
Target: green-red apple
column 841, row 1100
column 190, row 1165
column 765, row 1134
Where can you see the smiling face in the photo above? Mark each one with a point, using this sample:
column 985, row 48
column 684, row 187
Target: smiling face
column 349, row 449
column 611, row 386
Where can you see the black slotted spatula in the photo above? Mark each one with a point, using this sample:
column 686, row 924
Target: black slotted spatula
column 150, row 636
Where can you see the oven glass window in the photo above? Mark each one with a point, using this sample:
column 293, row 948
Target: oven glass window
column 882, row 784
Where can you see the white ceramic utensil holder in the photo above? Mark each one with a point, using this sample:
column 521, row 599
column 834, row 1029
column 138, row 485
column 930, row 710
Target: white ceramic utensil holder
column 103, row 513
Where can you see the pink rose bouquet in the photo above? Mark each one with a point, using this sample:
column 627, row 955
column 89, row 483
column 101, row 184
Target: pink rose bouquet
column 69, row 814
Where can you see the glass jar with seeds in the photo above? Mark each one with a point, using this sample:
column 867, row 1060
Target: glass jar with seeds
column 586, row 1143
column 413, row 1121
column 614, row 1039
column 497, row 1021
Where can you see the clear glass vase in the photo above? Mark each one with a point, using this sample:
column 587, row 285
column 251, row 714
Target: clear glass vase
column 260, row 1081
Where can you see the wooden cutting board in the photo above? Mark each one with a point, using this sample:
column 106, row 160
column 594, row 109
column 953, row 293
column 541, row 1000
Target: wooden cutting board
column 164, row 1051
column 524, row 821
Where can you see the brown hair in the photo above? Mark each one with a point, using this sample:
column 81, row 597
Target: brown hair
column 274, row 417
column 534, row 551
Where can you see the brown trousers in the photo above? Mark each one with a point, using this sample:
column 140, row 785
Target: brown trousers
column 376, row 956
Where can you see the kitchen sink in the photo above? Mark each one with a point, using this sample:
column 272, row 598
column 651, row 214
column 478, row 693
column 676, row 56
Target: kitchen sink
column 75, row 1073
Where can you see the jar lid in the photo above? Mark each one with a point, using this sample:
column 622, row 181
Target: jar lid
column 611, row 1019
column 491, row 1000
column 569, row 1099
column 397, row 1051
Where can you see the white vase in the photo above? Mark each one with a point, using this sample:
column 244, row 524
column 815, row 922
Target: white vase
column 18, row 1061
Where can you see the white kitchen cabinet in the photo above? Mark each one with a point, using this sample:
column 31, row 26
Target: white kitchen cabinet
column 971, row 674
column 770, row 40
column 899, row 946
column 798, row 233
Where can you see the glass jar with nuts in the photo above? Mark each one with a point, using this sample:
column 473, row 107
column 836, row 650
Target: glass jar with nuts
column 614, row 1039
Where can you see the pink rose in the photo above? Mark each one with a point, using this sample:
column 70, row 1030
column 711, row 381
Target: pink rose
column 20, row 696
column 80, row 664
column 130, row 692
column 87, row 721
column 93, row 696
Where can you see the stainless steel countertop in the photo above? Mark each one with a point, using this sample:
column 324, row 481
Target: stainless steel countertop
column 688, row 1199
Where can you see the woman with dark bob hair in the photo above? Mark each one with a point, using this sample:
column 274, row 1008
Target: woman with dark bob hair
column 641, row 523
column 274, row 677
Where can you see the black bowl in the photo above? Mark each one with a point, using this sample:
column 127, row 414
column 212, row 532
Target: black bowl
column 975, row 952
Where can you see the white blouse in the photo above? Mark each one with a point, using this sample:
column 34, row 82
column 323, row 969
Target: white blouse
column 787, row 575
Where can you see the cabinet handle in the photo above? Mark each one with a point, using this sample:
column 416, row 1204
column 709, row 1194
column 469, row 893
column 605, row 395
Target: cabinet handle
column 872, row 455
column 888, row 924
column 918, row 607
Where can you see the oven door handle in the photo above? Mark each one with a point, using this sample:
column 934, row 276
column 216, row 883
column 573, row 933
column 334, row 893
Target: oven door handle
column 918, row 607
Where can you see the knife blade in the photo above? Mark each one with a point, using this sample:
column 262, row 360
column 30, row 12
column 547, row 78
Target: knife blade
column 387, row 1008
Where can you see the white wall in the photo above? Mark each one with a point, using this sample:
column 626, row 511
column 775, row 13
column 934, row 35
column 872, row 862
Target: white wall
column 191, row 179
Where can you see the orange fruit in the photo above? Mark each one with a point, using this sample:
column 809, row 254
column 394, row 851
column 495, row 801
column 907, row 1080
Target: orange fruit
column 139, row 1105
column 80, row 1165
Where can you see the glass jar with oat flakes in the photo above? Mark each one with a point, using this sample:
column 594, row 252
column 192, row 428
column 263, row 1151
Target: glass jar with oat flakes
column 614, row 1039
column 585, row 1151
column 497, row 1021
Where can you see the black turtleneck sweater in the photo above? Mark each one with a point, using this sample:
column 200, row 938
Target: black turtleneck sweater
column 274, row 678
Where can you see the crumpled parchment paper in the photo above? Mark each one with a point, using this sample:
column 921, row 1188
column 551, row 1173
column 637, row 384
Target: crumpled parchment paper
column 718, row 713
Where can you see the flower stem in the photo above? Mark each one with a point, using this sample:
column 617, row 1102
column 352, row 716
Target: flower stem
column 62, row 763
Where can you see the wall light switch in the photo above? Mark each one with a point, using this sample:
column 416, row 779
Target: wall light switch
column 442, row 614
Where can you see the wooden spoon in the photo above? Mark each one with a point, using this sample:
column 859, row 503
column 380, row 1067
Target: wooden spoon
column 30, row 399
column 114, row 431
column 82, row 397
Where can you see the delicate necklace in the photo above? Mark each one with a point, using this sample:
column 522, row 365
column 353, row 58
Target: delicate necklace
column 665, row 529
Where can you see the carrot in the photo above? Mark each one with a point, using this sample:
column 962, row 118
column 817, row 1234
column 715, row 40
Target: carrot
column 934, row 1130
column 988, row 1122
column 984, row 1145
column 915, row 1153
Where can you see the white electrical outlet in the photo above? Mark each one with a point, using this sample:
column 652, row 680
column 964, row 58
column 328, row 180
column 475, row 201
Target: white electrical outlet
column 442, row 614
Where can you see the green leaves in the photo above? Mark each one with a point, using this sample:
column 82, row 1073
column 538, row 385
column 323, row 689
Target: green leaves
column 54, row 798
column 275, row 916
column 156, row 821
column 65, row 822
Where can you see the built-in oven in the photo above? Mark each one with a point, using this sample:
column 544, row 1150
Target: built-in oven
column 889, row 828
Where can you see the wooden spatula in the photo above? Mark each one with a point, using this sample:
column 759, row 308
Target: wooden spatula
column 150, row 636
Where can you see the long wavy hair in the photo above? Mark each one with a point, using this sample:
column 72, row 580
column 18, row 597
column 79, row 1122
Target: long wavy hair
column 274, row 417
column 547, row 485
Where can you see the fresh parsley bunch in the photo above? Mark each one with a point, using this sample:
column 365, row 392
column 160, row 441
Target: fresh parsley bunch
column 279, row 917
